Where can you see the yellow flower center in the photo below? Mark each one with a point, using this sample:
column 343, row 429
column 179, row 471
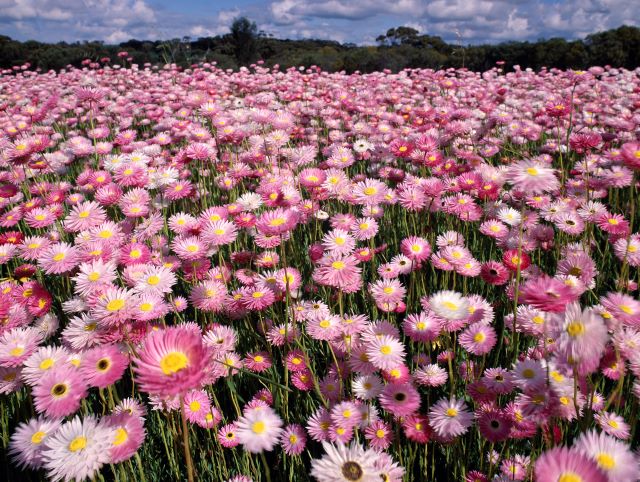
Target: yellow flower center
column 78, row 443
column 194, row 406
column 37, row 437
column 575, row 328
column 626, row 309
column 479, row 337
column 570, row 477
column 58, row 257
column 153, row 280
column 17, row 351
column 46, row 364
column 450, row 306
column 385, row 350
column 451, row 412
column 173, row 362
column 121, row 437
column 115, row 305
column 258, row 427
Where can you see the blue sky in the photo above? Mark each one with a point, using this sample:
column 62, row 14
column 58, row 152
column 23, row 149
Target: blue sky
column 357, row 21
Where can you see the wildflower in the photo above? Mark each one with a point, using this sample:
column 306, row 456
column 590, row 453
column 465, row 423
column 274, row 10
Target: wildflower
column 259, row 429
column 27, row 442
column 345, row 463
column 59, row 391
column 562, row 464
column 450, row 418
column 77, row 450
column 171, row 362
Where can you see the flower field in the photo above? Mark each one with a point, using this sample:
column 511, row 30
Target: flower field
column 297, row 275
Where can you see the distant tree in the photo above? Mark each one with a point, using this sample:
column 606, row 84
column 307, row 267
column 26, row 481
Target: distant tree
column 244, row 34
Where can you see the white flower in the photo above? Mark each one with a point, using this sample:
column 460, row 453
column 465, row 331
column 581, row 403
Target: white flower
column 509, row 216
column 344, row 463
column 449, row 305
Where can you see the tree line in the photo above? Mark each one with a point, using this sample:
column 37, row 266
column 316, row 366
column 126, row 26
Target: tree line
column 398, row 48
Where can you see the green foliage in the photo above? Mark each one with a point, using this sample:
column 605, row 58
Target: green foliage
column 244, row 34
column 398, row 48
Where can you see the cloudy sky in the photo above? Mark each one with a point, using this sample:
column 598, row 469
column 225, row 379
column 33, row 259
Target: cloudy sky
column 357, row 21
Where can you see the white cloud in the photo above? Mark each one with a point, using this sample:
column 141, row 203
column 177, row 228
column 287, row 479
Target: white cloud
column 357, row 21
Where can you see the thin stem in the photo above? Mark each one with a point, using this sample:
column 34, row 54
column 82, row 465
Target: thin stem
column 185, row 440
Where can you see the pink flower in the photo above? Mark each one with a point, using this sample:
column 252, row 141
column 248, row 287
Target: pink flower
column 561, row 463
column 59, row 391
column 171, row 361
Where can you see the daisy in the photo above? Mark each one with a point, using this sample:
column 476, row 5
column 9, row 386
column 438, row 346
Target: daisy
column 613, row 457
column 364, row 228
column 529, row 374
column 82, row 332
column 613, row 424
column 338, row 242
column 400, row 399
column 415, row 248
column 259, row 429
column 103, row 366
column 387, row 291
column 59, row 391
column 532, row 177
column 17, row 344
column 341, row 272
column 563, row 464
column 114, row 307
column 367, row 387
column 171, row 361
column 546, row 293
column 494, row 425
column 385, row 352
column 84, row 216
column 449, row 305
column 128, row 435
column 155, row 280
column 293, row 439
column 342, row 463
column 42, row 360
column 196, row 405
column 58, row 258
column 417, row 428
column 77, row 450
column 93, row 276
column 450, row 418
column 431, row 375
column 422, row 327
column 219, row 233
column 478, row 339
column 27, row 442
column 581, row 334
